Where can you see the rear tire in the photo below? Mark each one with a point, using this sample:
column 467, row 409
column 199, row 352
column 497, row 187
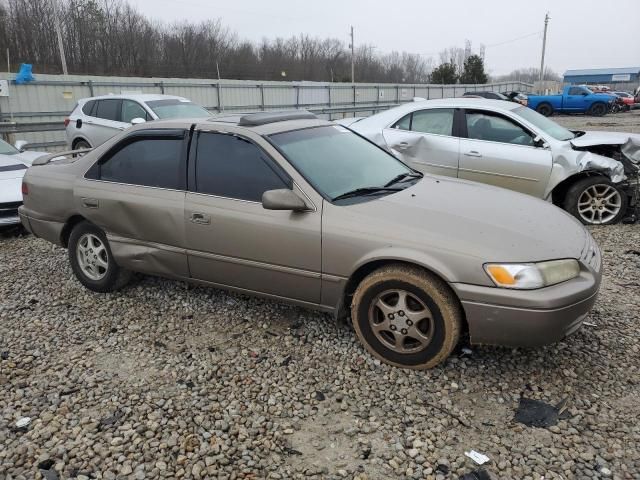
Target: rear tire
column 406, row 317
column 80, row 144
column 598, row 109
column 545, row 109
column 92, row 262
column 596, row 201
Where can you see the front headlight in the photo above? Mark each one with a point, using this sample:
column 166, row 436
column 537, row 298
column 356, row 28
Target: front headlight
column 528, row 276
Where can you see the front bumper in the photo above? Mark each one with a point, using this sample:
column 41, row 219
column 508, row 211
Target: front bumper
column 529, row 318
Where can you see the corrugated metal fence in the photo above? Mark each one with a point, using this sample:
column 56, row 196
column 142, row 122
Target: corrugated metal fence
column 35, row 111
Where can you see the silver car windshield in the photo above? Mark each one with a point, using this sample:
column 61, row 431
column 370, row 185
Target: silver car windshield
column 543, row 123
column 337, row 161
column 6, row 149
column 177, row 109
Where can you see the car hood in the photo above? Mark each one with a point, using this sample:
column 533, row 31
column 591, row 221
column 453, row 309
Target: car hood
column 475, row 220
column 593, row 138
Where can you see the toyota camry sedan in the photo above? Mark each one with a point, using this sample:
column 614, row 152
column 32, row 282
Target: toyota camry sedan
column 592, row 175
column 293, row 208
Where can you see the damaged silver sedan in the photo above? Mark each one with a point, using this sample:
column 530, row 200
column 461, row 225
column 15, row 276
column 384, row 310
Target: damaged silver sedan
column 592, row 175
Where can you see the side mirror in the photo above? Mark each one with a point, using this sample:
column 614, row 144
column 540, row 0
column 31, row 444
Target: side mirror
column 283, row 199
column 137, row 121
column 20, row 145
column 540, row 143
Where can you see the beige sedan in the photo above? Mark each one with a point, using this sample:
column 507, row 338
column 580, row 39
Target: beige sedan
column 293, row 208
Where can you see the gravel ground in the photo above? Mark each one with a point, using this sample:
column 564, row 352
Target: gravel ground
column 619, row 122
column 167, row 380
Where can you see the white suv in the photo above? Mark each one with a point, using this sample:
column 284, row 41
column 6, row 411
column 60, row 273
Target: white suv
column 95, row 120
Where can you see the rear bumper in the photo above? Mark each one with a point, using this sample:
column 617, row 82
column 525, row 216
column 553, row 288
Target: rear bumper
column 9, row 214
column 528, row 318
column 47, row 229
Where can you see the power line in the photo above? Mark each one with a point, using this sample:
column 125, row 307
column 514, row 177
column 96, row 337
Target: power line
column 514, row 39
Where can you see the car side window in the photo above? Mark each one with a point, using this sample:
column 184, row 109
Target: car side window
column 108, row 109
column 88, row 107
column 575, row 91
column 131, row 110
column 493, row 127
column 147, row 161
column 438, row 121
column 404, row 123
column 230, row 166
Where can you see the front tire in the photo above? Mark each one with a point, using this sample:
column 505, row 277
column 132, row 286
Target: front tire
column 92, row 262
column 406, row 317
column 596, row 201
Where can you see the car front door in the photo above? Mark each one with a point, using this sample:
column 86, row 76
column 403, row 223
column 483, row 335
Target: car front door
column 424, row 140
column 231, row 239
column 106, row 121
column 499, row 151
column 575, row 100
column 135, row 192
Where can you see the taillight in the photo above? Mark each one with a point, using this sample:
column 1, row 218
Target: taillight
column 25, row 188
column 66, row 122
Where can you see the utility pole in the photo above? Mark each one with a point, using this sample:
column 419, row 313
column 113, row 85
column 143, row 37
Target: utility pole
column 353, row 75
column 63, row 59
column 544, row 46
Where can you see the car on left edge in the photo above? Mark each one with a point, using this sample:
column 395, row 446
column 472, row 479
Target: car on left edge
column 13, row 165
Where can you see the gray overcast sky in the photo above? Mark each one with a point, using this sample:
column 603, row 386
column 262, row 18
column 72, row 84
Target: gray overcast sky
column 599, row 36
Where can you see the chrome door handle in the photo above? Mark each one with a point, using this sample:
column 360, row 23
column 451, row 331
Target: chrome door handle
column 90, row 203
column 403, row 144
column 201, row 218
column 473, row 153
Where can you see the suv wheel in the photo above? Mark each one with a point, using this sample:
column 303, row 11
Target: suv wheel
column 596, row 201
column 80, row 144
column 598, row 109
column 92, row 261
column 406, row 317
column 545, row 109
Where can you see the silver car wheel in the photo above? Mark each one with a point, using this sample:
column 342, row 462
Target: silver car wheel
column 92, row 256
column 401, row 321
column 599, row 204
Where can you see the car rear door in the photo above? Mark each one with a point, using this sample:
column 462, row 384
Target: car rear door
column 135, row 192
column 231, row 239
column 424, row 140
column 499, row 151
column 105, row 123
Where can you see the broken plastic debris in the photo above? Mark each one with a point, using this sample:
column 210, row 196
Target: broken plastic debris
column 23, row 422
column 466, row 351
column 477, row 457
column 589, row 324
column 480, row 474
column 534, row 413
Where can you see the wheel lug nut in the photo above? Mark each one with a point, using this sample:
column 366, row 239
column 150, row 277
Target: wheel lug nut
column 393, row 327
column 404, row 331
column 391, row 316
column 401, row 313
column 409, row 322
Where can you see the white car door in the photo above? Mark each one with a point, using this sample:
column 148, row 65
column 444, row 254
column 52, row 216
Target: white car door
column 105, row 123
column 501, row 152
column 424, row 140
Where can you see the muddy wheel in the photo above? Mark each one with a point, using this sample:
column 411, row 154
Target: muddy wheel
column 545, row 109
column 406, row 317
column 598, row 109
column 92, row 262
column 596, row 201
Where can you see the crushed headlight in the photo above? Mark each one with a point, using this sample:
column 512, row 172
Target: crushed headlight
column 528, row 276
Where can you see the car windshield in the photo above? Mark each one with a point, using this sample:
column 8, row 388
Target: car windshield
column 543, row 123
column 175, row 108
column 336, row 161
column 6, row 149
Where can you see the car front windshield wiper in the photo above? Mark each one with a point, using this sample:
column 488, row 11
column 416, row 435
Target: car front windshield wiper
column 358, row 192
column 403, row 176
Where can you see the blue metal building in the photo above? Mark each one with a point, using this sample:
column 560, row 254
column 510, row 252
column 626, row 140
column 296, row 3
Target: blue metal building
column 603, row 76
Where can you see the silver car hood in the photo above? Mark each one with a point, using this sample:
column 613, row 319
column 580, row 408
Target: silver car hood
column 475, row 220
column 590, row 139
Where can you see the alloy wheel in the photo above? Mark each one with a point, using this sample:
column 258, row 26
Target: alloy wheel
column 401, row 321
column 92, row 256
column 599, row 204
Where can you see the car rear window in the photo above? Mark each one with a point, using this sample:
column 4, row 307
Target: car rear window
column 175, row 108
column 87, row 108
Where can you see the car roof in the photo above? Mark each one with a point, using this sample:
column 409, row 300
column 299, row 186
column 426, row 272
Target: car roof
column 141, row 97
